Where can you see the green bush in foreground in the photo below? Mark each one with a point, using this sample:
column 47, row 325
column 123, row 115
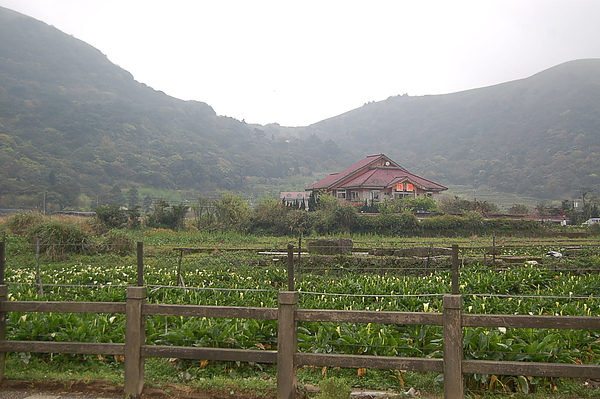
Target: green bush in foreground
column 334, row 388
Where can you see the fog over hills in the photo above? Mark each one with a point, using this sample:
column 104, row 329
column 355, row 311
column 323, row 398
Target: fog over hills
column 538, row 136
column 74, row 125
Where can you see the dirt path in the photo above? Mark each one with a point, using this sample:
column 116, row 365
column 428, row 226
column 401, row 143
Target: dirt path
column 108, row 390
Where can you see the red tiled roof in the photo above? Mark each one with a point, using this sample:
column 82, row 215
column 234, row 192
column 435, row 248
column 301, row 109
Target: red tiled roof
column 335, row 177
column 380, row 175
column 324, row 183
column 387, row 177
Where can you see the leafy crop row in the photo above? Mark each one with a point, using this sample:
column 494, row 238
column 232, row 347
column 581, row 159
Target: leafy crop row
column 238, row 279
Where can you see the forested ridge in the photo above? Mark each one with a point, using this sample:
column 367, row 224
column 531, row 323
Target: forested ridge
column 75, row 127
column 538, row 136
column 73, row 123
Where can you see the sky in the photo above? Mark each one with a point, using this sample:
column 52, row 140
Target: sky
column 299, row 62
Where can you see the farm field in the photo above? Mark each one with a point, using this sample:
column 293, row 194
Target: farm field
column 231, row 270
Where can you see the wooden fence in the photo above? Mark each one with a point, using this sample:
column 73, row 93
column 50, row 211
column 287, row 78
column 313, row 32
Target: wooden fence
column 287, row 357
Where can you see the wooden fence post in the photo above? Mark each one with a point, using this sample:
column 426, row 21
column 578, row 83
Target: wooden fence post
column 453, row 349
column 135, row 338
column 287, row 344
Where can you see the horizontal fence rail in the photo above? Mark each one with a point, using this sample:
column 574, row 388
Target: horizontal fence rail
column 527, row 321
column 210, row 311
column 366, row 316
column 286, row 356
column 73, row 348
column 63, row 307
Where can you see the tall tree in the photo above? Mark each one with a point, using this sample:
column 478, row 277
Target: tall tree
column 115, row 196
column 133, row 197
column 232, row 212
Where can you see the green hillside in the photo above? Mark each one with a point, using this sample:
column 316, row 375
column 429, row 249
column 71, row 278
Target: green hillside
column 76, row 129
column 538, row 136
column 73, row 123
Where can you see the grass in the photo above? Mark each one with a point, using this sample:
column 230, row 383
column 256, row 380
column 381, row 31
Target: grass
column 21, row 366
column 168, row 375
column 160, row 374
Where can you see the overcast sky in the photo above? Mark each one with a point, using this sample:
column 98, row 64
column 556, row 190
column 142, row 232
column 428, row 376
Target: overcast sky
column 296, row 63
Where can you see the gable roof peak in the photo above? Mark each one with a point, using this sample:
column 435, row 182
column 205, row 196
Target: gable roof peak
column 382, row 161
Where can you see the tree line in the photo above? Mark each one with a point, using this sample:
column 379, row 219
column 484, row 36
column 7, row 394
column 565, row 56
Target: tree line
column 327, row 215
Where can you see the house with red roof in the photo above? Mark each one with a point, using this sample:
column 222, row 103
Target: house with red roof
column 375, row 179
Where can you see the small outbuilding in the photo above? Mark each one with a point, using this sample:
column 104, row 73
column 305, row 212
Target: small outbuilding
column 296, row 199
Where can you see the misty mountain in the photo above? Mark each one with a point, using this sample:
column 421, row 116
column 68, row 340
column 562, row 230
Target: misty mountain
column 538, row 136
column 73, row 123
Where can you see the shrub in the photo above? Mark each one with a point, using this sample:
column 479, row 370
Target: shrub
column 474, row 222
column 407, row 223
column 118, row 242
column 269, row 217
column 514, row 226
column 344, row 217
column 233, row 213
column 334, row 388
column 165, row 216
column 56, row 238
column 204, row 217
column 112, row 216
column 444, row 224
column 594, row 229
column 322, row 222
column 22, row 223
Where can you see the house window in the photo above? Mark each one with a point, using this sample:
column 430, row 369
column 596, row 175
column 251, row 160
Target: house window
column 341, row 194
